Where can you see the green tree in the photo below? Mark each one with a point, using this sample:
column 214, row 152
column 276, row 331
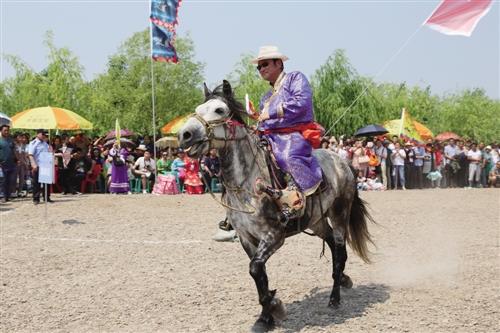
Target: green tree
column 124, row 91
column 246, row 80
column 337, row 86
column 59, row 84
column 471, row 114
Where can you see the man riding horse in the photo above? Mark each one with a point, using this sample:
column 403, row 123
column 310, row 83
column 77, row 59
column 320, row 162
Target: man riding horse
column 287, row 113
column 336, row 214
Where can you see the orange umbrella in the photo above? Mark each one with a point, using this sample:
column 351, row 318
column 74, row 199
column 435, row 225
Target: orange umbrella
column 175, row 125
column 447, row 136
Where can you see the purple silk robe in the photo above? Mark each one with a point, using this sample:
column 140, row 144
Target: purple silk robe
column 289, row 103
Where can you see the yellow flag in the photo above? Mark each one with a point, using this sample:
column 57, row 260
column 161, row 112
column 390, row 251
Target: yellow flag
column 117, row 132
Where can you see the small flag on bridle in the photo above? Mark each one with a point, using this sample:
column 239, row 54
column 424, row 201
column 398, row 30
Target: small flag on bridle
column 163, row 22
column 458, row 17
column 250, row 108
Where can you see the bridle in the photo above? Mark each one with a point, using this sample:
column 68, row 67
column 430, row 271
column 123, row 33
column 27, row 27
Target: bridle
column 229, row 126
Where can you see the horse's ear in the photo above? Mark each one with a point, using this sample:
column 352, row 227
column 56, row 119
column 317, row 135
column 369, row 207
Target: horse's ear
column 206, row 90
column 226, row 88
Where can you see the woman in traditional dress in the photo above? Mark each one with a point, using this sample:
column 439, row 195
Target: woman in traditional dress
column 192, row 182
column 119, row 176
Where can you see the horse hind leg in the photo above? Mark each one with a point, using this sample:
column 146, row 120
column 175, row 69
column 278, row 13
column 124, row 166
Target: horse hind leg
column 339, row 215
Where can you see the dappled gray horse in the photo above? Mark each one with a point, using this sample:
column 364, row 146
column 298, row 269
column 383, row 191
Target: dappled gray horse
column 336, row 213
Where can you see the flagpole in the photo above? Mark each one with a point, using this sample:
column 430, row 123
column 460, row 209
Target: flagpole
column 402, row 121
column 152, row 89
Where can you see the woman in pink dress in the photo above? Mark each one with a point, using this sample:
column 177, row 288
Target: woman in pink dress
column 192, row 182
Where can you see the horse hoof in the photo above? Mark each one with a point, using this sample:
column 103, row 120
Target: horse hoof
column 262, row 326
column 277, row 310
column 334, row 304
column 346, row 282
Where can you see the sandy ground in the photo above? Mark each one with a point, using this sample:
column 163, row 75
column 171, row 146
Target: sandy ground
column 146, row 263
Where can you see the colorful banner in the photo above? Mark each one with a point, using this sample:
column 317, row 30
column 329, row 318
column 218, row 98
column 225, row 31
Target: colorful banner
column 405, row 127
column 163, row 22
column 458, row 17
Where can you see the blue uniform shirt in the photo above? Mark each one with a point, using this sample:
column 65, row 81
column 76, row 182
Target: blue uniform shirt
column 36, row 147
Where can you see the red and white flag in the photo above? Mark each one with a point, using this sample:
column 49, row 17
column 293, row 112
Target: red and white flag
column 458, row 17
column 250, row 108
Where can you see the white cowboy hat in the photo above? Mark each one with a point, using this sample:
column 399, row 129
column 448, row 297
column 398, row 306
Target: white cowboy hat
column 269, row 52
column 142, row 147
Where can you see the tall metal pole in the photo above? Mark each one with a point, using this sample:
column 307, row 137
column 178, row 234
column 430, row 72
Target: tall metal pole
column 152, row 89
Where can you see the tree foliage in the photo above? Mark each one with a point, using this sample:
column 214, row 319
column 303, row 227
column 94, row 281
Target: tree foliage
column 246, row 80
column 60, row 84
column 340, row 97
column 336, row 86
column 124, row 91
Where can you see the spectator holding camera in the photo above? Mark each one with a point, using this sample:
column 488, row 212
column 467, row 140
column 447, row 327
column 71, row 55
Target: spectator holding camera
column 145, row 167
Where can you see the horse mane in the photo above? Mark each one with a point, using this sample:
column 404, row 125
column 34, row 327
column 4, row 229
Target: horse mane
column 237, row 109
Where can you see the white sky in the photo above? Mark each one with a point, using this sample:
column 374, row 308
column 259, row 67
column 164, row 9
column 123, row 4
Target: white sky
column 371, row 32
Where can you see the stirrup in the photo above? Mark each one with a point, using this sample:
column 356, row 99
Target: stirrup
column 286, row 215
column 225, row 225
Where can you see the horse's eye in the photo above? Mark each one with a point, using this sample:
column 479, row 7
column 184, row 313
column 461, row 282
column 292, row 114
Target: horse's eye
column 219, row 111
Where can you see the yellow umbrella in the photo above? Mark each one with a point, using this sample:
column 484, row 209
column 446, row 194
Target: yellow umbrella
column 49, row 117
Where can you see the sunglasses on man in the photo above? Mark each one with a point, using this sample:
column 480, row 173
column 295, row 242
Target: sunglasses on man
column 263, row 65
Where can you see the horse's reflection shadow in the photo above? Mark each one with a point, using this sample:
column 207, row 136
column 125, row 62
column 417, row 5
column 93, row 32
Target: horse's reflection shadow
column 313, row 310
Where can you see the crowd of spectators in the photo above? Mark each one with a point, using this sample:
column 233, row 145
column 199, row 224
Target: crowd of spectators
column 394, row 163
column 83, row 164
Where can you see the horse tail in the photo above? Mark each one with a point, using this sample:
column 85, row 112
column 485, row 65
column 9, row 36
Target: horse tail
column 358, row 236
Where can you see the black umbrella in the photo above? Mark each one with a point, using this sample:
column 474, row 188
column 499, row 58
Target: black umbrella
column 371, row 130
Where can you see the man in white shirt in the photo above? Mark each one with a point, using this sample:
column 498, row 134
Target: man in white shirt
column 36, row 147
column 474, row 156
column 145, row 167
column 398, row 163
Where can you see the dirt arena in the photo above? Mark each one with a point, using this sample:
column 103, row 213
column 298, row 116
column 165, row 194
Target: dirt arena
column 145, row 263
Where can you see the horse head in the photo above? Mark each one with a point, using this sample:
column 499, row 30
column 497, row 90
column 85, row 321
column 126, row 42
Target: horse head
column 214, row 123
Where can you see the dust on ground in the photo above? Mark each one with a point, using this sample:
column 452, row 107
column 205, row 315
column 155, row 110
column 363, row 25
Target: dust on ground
column 145, row 263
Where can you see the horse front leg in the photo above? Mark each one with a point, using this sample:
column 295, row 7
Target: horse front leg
column 272, row 308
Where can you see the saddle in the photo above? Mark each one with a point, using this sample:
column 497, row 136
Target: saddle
column 282, row 189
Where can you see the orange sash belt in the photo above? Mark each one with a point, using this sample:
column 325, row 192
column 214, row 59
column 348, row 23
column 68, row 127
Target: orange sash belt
column 312, row 132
